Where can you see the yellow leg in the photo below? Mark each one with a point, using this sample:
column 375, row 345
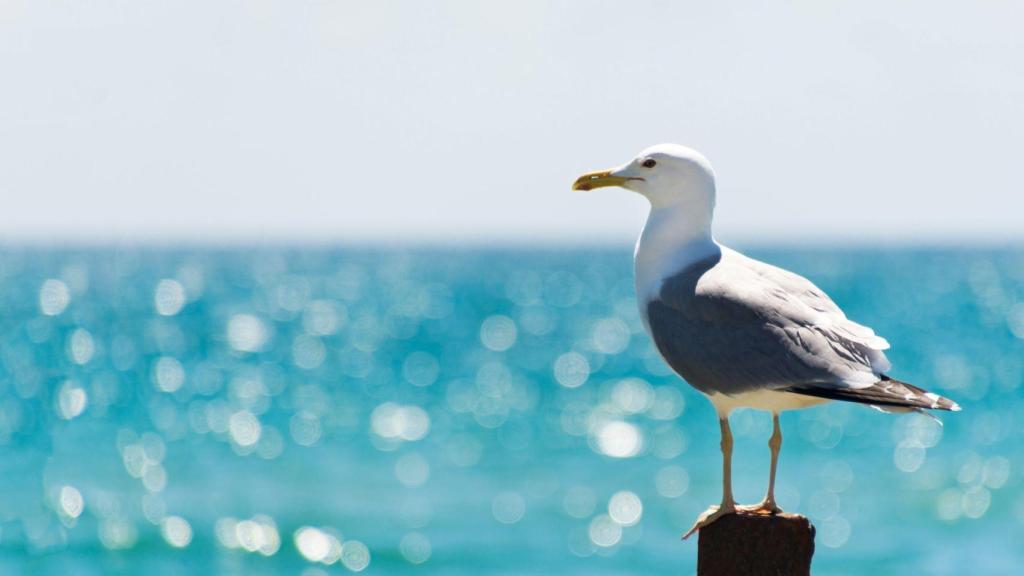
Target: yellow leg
column 728, row 505
column 768, row 505
column 726, row 446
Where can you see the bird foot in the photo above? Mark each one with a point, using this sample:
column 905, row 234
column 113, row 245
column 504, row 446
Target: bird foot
column 766, row 507
column 710, row 515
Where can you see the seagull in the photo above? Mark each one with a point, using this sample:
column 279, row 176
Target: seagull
column 744, row 333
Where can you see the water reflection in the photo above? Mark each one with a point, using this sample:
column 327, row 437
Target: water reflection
column 308, row 411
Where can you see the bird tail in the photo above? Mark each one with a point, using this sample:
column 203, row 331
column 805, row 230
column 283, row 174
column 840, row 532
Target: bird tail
column 887, row 395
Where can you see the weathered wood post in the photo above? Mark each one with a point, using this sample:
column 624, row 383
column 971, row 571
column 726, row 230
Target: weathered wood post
column 753, row 544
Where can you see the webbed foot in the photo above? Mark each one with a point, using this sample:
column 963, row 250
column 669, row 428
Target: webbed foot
column 710, row 515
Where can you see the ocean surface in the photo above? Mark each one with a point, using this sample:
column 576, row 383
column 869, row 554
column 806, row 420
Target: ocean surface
column 320, row 411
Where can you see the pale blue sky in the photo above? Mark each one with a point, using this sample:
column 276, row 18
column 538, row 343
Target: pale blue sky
column 211, row 121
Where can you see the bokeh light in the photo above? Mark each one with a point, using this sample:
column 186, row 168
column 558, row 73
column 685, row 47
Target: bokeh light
column 176, row 531
column 415, row 548
column 508, row 507
column 305, row 411
column 169, row 297
column 625, row 508
column 54, row 297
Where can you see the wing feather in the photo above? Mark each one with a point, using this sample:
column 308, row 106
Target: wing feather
column 887, row 395
column 732, row 324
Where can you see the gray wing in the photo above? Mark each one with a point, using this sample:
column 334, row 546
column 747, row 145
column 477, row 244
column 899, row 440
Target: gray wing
column 731, row 324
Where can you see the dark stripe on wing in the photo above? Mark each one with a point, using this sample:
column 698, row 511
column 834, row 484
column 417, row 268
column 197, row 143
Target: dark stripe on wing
column 885, row 392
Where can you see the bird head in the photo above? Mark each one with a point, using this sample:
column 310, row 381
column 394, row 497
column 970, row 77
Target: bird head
column 666, row 174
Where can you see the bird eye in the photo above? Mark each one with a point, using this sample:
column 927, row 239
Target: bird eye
column 649, row 163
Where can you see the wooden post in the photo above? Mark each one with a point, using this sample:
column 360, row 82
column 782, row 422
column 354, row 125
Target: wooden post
column 753, row 544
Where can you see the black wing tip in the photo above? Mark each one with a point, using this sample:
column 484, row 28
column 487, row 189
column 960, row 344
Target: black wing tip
column 891, row 394
column 937, row 402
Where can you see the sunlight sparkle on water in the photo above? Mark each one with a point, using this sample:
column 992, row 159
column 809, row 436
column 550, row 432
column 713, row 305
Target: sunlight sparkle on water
column 71, row 400
column 245, row 428
column 169, row 297
column 247, row 333
column 498, row 333
column 176, row 531
column 81, row 346
column 355, row 555
column 54, row 297
column 317, row 545
column 604, row 531
column 571, row 369
column 257, row 534
column 625, row 508
column 397, row 422
column 71, row 502
column 619, row 439
column 168, row 374
column 415, row 547
column 118, row 534
column 672, row 481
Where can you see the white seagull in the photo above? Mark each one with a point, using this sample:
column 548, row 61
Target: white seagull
column 743, row 332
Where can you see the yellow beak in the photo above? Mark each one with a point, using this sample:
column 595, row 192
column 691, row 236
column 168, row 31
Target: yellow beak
column 600, row 179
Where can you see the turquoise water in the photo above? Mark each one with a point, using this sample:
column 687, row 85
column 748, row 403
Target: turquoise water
column 318, row 411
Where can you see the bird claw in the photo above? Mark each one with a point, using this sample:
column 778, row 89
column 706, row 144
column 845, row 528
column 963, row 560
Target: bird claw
column 710, row 515
column 766, row 507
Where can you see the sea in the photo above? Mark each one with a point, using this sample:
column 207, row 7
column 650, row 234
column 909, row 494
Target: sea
column 471, row 410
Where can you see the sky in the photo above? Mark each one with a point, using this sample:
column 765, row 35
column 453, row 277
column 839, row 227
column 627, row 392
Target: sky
column 231, row 121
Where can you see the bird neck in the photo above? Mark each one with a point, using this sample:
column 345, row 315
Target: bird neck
column 675, row 236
